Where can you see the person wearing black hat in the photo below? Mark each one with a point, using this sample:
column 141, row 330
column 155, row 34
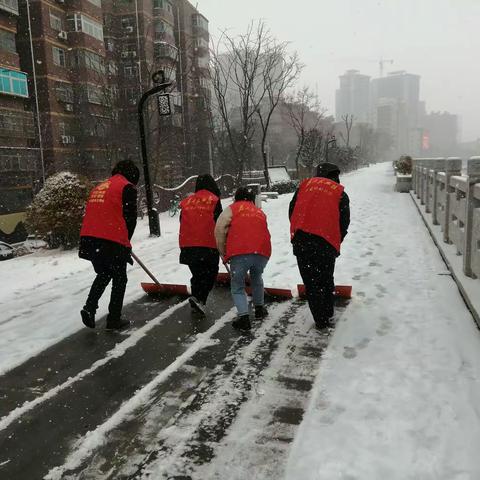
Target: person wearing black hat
column 319, row 218
column 108, row 225
column 198, row 248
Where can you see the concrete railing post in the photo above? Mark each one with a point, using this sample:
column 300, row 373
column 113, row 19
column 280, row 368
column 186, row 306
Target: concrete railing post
column 453, row 167
column 473, row 174
column 414, row 174
column 438, row 166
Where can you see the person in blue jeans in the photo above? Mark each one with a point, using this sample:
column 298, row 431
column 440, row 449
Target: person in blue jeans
column 243, row 239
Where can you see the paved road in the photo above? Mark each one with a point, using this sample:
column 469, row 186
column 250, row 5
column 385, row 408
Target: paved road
column 77, row 385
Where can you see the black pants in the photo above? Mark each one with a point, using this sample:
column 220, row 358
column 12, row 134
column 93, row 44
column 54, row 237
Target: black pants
column 116, row 271
column 204, row 274
column 317, row 274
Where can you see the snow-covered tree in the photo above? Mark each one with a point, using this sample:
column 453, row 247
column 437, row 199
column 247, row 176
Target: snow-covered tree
column 57, row 210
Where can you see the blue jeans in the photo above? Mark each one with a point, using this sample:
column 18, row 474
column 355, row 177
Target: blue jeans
column 240, row 265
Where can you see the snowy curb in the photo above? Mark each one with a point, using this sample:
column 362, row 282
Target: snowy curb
column 469, row 287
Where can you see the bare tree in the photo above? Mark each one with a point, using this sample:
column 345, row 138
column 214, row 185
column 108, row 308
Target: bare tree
column 279, row 71
column 303, row 112
column 241, row 68
column 348, row 121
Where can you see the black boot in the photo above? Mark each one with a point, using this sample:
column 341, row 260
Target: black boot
column 197, row 305
column 242, row 323
column 88, row 318
column 116, row 323
column 260, row 312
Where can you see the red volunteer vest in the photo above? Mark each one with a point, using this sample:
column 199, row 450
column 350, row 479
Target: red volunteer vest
column 104, row 212
column 248, row 232
column 317, row 210
column 197, row 226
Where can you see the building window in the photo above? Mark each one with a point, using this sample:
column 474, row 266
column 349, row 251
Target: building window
column 128, row 23
column 163, row 4
column 199, row 21
column 59, row 56
column 94, row 62
column 97, row 3
column 130, row 71
column 162, row 28
column 163, row 49
column 16, row 124
column 55, row 22
column 82, row 23
column 9, row 6
column 7, row 41
column 64, row 92
column 13, row 82
column 95, row 94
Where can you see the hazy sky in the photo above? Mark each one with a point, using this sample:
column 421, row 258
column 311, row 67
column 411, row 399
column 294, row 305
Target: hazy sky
column 437, row 39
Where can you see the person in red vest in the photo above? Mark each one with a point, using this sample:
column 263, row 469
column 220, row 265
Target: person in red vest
column 198, row 248
column 319, row 219
column 108, row 225
column 243, row 240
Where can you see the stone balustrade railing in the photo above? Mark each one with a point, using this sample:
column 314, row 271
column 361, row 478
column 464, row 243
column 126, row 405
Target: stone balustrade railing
column 453, row 199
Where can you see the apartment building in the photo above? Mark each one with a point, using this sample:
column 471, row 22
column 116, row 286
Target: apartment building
column 19, row 160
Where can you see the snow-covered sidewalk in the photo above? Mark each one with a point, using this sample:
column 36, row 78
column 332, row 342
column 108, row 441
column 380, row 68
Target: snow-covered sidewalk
column 398, row 392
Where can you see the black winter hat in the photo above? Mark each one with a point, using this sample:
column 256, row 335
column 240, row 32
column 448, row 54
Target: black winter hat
column 207, row 182
column 245, row 194
column 328, row 170
column 128, row 169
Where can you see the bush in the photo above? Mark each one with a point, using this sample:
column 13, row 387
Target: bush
column 57, row 210
column 284, row 187
column 403, row 165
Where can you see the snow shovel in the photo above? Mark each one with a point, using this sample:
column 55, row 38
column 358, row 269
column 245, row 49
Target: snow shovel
column 271, row 292
column 341, row 291
column 158, row 288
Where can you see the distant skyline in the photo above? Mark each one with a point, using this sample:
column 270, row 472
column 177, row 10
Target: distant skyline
column 436, row 39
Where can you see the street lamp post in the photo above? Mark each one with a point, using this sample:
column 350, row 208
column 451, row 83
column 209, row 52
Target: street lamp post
column 153, row 219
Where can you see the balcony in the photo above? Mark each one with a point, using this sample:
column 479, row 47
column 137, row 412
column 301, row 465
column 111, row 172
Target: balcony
column 13, row 83
column 164, row 50
column 10, row 6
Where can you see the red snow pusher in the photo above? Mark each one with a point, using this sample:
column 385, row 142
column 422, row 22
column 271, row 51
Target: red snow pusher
column 223, row 278
column 158, row 288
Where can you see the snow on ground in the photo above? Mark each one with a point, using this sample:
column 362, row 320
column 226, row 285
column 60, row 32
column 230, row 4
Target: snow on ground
column 398, row 387
column 398, row 390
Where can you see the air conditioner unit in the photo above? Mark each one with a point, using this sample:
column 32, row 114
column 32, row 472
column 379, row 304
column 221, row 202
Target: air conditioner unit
column 129, row 29
column 67, row 139
column 69, row 107
column 62, row 34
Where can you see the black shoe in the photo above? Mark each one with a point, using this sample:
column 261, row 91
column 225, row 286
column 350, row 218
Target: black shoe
column 197, row 305
column 88, row 318
column 117, row 323
column 260, row 312
column 242, row 323
column 323, row 324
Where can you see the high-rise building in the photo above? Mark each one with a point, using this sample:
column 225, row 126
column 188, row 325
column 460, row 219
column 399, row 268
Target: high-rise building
column 395, row 109
column 19, row 159
column 192, row 38
column 353, row 96
column 441, row 133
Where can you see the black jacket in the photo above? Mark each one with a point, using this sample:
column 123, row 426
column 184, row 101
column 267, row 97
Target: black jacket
column 92, row 248
column 309, row 244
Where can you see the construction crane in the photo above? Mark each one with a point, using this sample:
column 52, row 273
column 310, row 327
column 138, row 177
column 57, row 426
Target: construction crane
column 381, row 63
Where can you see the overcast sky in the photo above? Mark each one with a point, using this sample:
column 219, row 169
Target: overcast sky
column 437, row 39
